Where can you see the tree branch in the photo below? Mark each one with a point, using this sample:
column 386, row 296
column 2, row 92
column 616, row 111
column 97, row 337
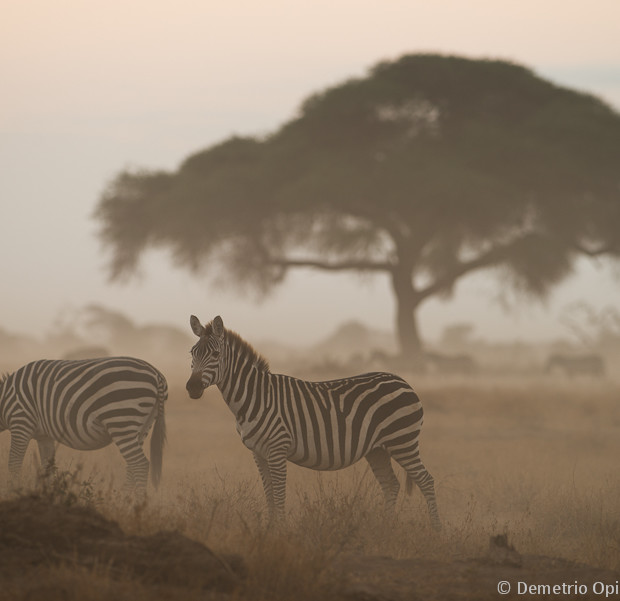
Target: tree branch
column 491, row 257
column 594, row 252
column 333, row 266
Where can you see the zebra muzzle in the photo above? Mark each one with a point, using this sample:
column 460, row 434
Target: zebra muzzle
column 194, row 386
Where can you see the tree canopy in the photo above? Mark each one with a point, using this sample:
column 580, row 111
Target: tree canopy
column 428, row 168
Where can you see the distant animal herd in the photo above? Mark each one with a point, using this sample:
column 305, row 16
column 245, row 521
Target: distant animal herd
column 88, row 403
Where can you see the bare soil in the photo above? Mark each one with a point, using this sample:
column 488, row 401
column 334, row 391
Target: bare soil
column 386, row 579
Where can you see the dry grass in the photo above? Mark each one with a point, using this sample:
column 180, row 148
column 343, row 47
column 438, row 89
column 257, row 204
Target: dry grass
column 535, row 459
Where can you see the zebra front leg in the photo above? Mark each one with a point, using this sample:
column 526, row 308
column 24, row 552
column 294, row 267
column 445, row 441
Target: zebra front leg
column 19, row 443
column 265, row 475
column 47, row 452
column 277, row 474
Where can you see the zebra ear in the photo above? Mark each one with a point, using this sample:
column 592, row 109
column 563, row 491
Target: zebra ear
column 218, row 327
column 197, row 327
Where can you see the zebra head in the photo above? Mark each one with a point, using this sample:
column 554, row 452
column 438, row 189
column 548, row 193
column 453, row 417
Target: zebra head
column 207, row 355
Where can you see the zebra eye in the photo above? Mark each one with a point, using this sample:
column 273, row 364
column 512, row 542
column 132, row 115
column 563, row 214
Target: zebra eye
column 216, row 354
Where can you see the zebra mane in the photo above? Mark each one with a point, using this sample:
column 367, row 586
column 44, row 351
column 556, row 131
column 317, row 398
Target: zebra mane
column 243, row 348
column 4, row 377
column 246, row 351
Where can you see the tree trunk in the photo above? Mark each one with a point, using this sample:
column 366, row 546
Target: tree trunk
column 406, row 323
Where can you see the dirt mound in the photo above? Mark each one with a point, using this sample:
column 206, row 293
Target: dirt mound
column 34, row 532
column 501, row 574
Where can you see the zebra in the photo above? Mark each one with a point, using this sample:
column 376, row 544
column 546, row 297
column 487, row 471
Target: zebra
column 86, row 405
column 325, row 425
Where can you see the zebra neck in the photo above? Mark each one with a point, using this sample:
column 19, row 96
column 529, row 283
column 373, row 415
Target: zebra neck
column 242, row 384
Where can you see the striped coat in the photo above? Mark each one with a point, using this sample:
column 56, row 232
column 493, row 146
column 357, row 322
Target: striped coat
column 320, row 425
column 86, row 405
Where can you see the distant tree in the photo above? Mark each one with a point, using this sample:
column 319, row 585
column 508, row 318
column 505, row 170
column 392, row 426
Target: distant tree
column 427, row 169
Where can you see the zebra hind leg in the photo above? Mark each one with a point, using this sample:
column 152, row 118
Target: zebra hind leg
column 381, row 466
column 410, row 460
column 137, row 463
column 426, row 484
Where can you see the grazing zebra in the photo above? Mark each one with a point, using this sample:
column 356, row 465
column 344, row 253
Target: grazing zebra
column 86, row 405
column 320, row 425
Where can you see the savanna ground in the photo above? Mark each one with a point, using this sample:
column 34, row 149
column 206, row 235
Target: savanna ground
column 535, row 459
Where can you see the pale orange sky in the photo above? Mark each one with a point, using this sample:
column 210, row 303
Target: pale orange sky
column 91, row 87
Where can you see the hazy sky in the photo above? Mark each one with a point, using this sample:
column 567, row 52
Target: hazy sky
column 91, row 87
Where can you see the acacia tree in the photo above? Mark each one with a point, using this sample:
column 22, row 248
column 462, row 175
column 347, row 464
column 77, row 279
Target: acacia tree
column 427, row 169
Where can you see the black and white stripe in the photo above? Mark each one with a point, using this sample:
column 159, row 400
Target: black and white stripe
column 320, row 425
column 86, row 405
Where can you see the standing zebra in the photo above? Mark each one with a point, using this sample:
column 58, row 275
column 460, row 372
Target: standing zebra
column 86, row 405
column 320, row 425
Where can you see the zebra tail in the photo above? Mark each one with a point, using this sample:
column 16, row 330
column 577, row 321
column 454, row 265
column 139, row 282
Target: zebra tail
column 409, row 484
column 158, row 438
